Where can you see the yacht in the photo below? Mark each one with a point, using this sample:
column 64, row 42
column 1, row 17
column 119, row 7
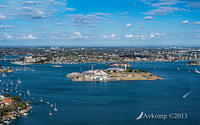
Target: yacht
column 25, row 114
column 41, row 100
column 3, row 75
column 196, row 71
column 50, row 113
column 19, row 81
column 55, row 109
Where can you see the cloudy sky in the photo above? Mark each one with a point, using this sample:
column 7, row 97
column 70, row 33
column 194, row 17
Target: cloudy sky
column 100, row 22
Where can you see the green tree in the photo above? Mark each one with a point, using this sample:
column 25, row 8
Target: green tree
column 17, row 98
column 22, row 105
column 129, row 70
column 6, row 95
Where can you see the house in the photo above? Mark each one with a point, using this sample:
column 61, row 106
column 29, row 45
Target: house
column 2, row 97
column 6, row 101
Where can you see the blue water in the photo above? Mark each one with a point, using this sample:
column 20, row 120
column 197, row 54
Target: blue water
column 109, row 103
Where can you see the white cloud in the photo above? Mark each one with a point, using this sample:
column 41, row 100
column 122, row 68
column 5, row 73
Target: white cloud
column 70, row 9
column 164, row 7
column 31, row 2
column 30, row 36
column 104, row 37
column 160, row 34
column 7, row 36
column 148, row 18
column 197, row 23
column 2, row 17
column 78, row 35
column 128, row 36
column 36, row 13
column 113, row 35
column 60, row 24
column 1, row 6
column 4, row 27
column 89, row 20
column 185, row 21
column 193, row 4
column 128, row 25
column 102, row 14
column 164, row 10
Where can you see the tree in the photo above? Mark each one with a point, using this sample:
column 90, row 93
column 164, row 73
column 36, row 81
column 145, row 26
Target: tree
column 129, row 70
column 22, row 105
column 17, row 98
column 6, row 95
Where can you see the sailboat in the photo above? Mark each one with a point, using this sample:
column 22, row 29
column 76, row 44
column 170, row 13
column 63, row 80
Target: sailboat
column 50, row 113
column 19, row 81
column 41, row 100
column 47, row 103
column 196, row 71
column 3, row 75
column 55, row 109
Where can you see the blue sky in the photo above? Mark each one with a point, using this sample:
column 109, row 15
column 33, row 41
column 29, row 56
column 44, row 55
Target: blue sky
column 100, row 23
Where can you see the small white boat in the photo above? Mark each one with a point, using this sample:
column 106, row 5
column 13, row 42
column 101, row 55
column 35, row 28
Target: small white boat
column 19, row 81
column 3, row 75
column 25, row 114
column 41, row 100
column 51, row 105
column 7, row 121
column 55, row 109
column 188, row 93
column 47, row 103
column 196, row 71
column 13, row 118
column 50, row 113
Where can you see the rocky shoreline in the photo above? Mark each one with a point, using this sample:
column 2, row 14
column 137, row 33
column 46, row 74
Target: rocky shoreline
column 112, row 74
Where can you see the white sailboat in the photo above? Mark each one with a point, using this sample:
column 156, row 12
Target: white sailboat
column 3, row 75
column 55, row 109
column 47, row 103
column 196, row 71
column 19, row 81
column 41, row 100
column 50, row 113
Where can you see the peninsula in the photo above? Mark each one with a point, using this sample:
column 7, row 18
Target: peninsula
column 5, row 70
column 113, row 74
column 11, row 108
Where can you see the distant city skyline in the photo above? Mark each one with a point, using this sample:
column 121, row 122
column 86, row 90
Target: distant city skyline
column 101, row 23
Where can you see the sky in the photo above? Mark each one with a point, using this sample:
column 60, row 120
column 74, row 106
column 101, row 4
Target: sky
column 113, row 23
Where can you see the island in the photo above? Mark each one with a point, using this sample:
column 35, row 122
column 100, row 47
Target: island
column 112, row 74
column 12, row 107
column 194, row 63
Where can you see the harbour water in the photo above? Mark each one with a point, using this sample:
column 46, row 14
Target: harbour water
column 109, row 103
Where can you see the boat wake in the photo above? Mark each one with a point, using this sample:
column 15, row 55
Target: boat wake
column 187, row 94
